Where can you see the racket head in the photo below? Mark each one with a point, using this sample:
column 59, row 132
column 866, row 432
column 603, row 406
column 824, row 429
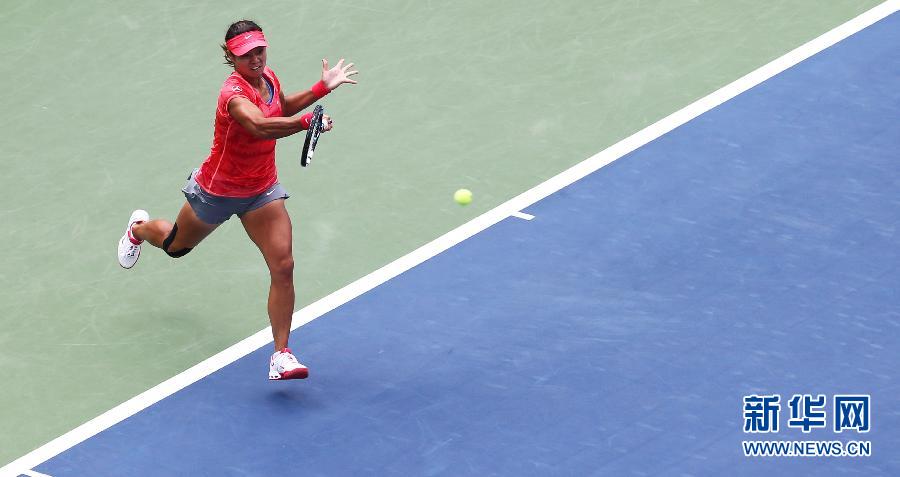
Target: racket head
column 312, row 135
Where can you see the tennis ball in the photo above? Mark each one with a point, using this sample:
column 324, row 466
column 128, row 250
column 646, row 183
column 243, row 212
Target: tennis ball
column 463, row 196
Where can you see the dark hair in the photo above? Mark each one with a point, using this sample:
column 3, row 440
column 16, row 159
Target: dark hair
column 236, row 28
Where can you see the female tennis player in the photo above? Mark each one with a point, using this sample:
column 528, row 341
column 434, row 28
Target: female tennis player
column 239, row 177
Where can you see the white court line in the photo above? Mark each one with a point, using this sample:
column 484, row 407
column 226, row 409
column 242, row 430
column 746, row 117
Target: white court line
column 32, row 473
column 442, row 243
column 522, row 215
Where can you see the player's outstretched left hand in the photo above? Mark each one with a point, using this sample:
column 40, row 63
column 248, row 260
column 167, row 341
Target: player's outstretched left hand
column 338, row 75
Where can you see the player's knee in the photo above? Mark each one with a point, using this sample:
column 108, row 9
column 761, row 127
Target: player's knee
column 167, row 244
column 283, row 269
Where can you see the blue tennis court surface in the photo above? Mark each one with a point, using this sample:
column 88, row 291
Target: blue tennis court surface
column 753, row 251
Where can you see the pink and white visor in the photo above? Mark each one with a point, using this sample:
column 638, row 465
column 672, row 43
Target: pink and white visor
column 244, row 42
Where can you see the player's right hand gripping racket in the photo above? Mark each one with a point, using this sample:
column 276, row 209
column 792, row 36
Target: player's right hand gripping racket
column 312, row 135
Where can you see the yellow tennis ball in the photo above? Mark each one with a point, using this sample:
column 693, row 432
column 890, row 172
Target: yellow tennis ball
column 463, row 196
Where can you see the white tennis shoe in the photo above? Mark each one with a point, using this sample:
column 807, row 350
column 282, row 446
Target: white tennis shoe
column 129, row 246
column 283, row 365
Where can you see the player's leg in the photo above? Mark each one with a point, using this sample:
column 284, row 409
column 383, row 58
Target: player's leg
column 175, row 239
column 191, row 230
column 269, row 227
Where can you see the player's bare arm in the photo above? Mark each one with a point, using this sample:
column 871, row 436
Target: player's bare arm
column 256, row 123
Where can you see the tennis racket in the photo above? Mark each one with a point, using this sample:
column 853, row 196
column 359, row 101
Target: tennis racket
column 312, row 135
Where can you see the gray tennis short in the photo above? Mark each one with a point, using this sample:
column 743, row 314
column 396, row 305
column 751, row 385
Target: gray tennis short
column 214, row 209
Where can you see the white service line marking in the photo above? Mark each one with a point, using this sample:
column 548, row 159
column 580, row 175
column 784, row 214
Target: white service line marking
column 451, row 238
column 522, row 215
